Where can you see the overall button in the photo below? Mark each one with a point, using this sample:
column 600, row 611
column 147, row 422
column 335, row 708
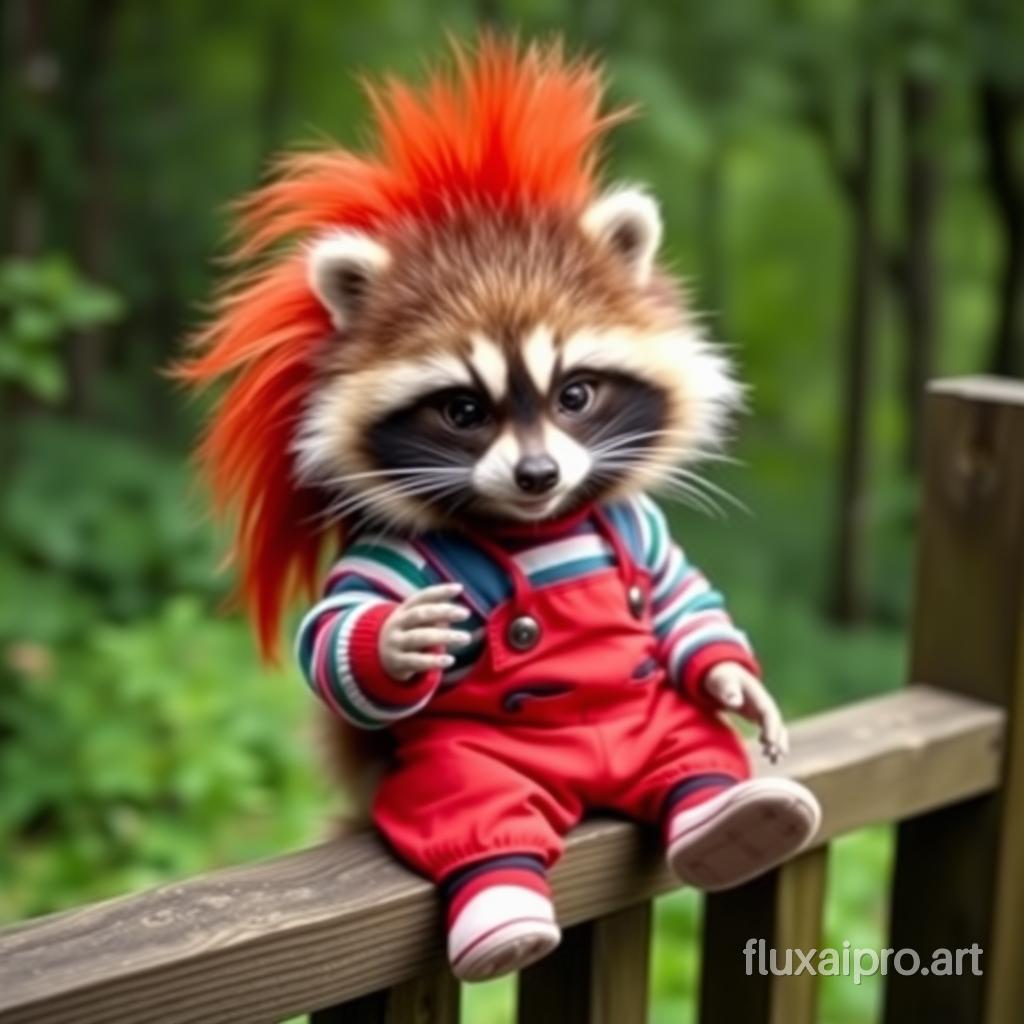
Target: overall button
column 523, row 633
column 635, row 599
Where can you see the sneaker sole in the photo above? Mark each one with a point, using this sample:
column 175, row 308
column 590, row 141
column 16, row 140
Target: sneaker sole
column 509, row 947
column 743, row 833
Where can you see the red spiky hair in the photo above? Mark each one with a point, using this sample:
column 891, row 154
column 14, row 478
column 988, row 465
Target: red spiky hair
column 505, row 125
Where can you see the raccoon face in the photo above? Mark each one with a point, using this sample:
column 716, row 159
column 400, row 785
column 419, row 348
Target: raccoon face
column 505, row 367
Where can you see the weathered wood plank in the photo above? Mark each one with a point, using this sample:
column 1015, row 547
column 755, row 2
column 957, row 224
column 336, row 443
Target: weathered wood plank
column 959, row 877
column 784, row 910
column 599, row 975
column 315, row 928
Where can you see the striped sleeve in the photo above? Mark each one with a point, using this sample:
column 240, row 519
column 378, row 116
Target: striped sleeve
column 337, row 646
column 691, row 622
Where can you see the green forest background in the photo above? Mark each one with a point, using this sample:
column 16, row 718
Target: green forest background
column 843, row 185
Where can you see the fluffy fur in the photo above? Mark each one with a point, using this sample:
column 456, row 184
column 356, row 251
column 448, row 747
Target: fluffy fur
column 470, row 254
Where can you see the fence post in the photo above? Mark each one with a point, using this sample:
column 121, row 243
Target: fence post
column 780, row 911
column 598, row 975
column 959, row 876
column 431, row 998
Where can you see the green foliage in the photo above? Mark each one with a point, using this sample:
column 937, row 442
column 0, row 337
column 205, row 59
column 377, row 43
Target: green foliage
column 40, row 302
column 148, row 741
column 146, row 753
column 97, row 526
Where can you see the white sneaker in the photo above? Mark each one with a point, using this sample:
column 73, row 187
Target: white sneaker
column 502, row 929
column 741, row 832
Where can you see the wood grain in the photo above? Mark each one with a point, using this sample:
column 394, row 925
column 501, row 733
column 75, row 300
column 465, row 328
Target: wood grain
column 326, row 925
column 959, row 875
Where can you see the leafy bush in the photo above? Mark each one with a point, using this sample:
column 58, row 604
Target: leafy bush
column 149, row 752
column 97, row 526
column 42, row 300
column 140, row 740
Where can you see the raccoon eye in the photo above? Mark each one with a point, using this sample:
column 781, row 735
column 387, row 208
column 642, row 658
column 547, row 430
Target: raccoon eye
column 577, row 396
column 465, row 412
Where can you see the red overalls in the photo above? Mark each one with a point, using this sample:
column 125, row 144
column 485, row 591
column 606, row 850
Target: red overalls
column 566, row 710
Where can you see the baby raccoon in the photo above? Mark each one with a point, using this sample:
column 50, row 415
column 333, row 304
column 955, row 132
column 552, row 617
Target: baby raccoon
column 505, row 364
column 461, row 381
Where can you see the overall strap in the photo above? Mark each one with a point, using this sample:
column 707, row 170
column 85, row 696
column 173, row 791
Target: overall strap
column 623, row 556
column 519, row 581
column 491, row 574
column 457, row 558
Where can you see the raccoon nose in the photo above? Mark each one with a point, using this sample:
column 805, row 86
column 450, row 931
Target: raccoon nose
column 536, row 474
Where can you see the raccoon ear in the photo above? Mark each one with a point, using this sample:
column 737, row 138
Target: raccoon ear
column 341, row 267
column 629, row 222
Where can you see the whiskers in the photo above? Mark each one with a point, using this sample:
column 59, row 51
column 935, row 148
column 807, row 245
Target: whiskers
column 384, row 495
column 638, row 451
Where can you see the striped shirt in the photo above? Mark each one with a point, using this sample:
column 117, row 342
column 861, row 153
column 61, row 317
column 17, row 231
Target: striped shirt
column 337, row 640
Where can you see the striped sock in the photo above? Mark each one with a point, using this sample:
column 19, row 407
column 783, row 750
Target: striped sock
column 691, row 792
column 499, row 916
column 522, row 870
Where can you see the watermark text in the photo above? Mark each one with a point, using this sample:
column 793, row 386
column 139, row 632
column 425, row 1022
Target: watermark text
column 858, row 963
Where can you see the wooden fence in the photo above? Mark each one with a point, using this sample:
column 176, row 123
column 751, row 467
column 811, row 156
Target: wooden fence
column 344, row 933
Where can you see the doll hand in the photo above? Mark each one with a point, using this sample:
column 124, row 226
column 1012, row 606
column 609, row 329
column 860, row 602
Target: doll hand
column 732, row 686
column 411, row 635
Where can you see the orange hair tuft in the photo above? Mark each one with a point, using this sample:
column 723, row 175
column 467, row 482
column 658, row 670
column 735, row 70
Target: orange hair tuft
column 507, row 126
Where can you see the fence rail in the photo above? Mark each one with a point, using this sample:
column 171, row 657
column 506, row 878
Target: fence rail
column 344, row 932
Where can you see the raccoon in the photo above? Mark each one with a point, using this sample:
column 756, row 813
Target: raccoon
column 461, row 376
column 505, row 364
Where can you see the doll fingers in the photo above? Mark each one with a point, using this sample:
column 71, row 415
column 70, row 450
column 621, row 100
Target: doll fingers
column 425, row 638
column 761, row 709
column 432, row 594
column 409, row 661
column 430, row 614
column 782, row 742
column 774, row 739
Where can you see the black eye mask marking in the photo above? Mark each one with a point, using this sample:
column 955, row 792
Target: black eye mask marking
column 624, row 411
column 417, row 436
column 622, row 406
column 627, row 416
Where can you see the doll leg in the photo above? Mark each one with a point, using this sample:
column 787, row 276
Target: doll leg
column 721, row 827
column 467, row 811
column 499, row 917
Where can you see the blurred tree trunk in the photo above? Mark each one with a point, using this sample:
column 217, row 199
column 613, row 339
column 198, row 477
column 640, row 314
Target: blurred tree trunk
column 164, row 311
column 490, row 13
column 274, row 106
column 35, row 71
column 1002, row 116
column 915, row 271
column 95, row 229
column 849, row 553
